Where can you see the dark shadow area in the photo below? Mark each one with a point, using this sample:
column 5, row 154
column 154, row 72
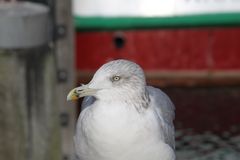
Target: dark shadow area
column 207, row 122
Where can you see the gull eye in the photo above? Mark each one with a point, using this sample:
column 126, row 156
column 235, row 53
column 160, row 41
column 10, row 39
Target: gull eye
column 116, row 78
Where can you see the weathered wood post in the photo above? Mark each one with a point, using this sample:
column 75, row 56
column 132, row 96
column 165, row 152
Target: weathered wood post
column 29, row 116
column 66, row 73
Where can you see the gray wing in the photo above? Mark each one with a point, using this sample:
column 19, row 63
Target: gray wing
column 87, row 101
column 166, row 112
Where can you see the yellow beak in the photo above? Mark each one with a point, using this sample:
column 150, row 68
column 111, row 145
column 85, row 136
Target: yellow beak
column 81, row 91
column 72, row 95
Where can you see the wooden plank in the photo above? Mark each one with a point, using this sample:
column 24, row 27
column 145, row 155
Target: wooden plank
column 181, row 78
column 65, row 62
column 130, row 23
column 159, row 50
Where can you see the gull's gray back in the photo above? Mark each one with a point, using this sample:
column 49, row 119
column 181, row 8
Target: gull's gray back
column 165, row 110
column 87, row 101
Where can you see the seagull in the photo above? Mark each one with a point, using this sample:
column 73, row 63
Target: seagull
column 123, row 118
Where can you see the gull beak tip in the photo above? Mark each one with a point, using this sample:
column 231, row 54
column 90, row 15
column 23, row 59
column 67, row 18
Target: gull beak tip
column 72, row 95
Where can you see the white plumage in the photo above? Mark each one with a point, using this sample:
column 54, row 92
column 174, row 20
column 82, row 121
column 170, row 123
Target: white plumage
column 123, row 119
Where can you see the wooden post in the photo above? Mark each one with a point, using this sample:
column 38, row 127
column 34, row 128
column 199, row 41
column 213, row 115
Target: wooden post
column 29, row 123
column 29, row 115
column 13, row 108
column 66, row 74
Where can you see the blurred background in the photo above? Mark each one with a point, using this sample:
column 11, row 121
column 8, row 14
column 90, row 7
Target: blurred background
column 188, row 48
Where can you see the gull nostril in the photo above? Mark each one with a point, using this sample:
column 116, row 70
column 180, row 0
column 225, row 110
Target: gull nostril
column 78, row 90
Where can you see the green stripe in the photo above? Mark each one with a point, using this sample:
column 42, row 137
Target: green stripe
column 127, row 23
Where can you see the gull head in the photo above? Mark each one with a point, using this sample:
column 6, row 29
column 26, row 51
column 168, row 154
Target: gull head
column 115, row 80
